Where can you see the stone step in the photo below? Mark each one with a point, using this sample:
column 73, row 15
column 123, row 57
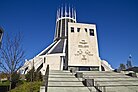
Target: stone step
column 115, row 79
column 62, row 73
column 111, row 79
column 63, row 79
column 57, row 71
column 102, row 72
column 119, row 83
column 93, row 74
column 92, row 77
column 61, row 76
column 120, row 89
column 70, row 89
column 65, row 83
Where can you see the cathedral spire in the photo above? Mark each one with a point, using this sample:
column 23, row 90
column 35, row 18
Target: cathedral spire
column 65, row 14
column 75, row 14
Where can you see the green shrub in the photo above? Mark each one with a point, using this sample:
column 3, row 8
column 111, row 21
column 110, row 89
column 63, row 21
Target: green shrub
column 28, row 87
column 28, row 77
column 15, row 77
column 33, row 76
column 5, row 83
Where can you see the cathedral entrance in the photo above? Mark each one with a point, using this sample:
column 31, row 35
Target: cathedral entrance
column 84, row 68
column 88, row 68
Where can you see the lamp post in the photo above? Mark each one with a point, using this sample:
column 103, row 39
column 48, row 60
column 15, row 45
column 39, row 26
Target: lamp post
column 1, row 35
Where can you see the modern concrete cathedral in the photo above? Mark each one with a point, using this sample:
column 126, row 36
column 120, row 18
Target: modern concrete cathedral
column 75, row 46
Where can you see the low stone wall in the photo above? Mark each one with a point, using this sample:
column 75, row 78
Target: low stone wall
column 4, row 88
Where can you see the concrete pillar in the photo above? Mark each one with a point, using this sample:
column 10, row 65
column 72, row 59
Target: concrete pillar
column 61, row 62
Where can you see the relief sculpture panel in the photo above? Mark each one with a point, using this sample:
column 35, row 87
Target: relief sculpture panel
column 83, row 51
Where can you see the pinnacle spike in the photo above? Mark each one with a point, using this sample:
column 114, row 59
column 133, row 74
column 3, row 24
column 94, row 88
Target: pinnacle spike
column 72, row 13
column 130, row 56
column 65, row 10
column 62, row 11
column 69, row 11
column 59, row 13
column 75, row 14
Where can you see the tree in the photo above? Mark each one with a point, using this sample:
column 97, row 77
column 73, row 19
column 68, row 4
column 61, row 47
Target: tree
column 38, row 76
column 3, row 75
column 12, row 54
column 15, row 79
column 33, row 75
column 30, row 75
column 122, row 67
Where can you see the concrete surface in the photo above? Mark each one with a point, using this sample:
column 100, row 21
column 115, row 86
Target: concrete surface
column 64, row 81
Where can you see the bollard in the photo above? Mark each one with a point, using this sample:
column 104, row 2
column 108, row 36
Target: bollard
column 89, row 82
column 79, row 75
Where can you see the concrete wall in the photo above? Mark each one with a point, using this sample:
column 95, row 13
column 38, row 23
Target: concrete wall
column 82, row 48
column 54, row 61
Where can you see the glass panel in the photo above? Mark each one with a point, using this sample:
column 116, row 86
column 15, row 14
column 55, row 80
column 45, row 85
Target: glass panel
column 72, row 29
column 59, row 26
column 91, row 32
column 85, row 29
column 63, row 27
column 78, row 29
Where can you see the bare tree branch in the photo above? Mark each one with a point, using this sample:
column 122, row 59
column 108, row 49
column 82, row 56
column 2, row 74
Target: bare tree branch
column 12, row 54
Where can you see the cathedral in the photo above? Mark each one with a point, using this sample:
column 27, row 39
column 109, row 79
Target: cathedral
column 75, row 46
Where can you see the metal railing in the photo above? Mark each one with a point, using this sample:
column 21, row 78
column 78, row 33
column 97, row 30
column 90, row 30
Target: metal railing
column 46, row 78
column 44, row 85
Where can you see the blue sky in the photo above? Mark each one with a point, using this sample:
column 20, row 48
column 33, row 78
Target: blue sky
column 116, row 20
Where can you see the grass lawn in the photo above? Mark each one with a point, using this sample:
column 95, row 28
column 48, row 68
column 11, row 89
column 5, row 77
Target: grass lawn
column 28, row 87
column 4, row 83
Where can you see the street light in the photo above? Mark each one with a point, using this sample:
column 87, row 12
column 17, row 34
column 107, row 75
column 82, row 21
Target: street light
column 1, row 35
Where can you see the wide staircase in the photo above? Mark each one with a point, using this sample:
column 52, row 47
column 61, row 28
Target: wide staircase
column 109, row 81
column 89, row 81
column 64, row 81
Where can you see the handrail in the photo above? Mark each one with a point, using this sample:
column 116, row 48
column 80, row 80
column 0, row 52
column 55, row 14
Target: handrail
column 45, row 79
